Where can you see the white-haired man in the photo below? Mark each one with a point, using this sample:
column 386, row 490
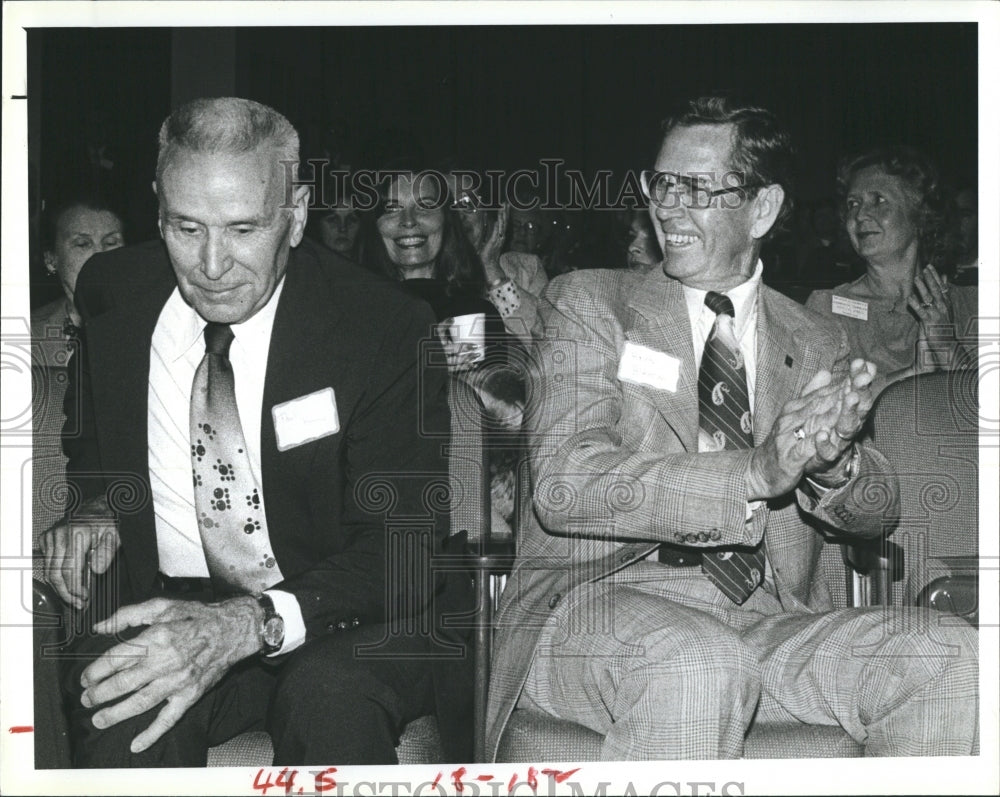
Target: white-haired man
column 263, row 396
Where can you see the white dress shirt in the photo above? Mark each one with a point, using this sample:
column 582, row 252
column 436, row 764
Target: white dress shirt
column 744, row 299
column 177, row 348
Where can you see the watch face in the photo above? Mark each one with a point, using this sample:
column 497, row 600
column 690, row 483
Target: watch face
column 274, row 632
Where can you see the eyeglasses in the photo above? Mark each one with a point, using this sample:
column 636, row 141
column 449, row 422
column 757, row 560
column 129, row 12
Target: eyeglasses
column 670, row 190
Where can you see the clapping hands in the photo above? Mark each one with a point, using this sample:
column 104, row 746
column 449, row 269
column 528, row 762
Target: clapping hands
column 814, row 434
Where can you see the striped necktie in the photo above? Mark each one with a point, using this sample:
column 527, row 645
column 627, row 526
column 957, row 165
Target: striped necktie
column 724, row 422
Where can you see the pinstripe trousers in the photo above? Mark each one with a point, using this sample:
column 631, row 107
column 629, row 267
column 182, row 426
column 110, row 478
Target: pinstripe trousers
column 663, row 665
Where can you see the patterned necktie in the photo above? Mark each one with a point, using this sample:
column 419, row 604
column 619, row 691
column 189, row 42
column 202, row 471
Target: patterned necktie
column 227, row 497
column 725, row 422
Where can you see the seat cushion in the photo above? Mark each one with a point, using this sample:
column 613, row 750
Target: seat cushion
column 419, row 744
column 534, row 737
column 796, row 740
column 251, row 749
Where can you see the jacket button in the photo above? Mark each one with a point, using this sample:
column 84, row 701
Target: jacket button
column 554, row 600
column 678, row 536
column 626, row 557
column 342, row 625
column 355, row 622
column 703, row 536
column 715, row 535
column 330, row 626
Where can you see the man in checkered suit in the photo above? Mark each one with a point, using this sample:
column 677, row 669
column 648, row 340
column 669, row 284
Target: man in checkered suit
column 665, row 593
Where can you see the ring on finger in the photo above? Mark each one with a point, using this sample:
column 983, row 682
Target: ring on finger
column 799, row 434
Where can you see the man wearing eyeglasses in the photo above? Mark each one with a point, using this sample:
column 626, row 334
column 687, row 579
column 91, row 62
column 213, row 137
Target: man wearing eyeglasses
column 693, row 437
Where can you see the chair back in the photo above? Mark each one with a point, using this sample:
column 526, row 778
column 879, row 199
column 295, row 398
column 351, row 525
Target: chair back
column 928, row 428
column 50, row 491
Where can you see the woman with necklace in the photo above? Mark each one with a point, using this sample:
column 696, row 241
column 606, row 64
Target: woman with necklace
column 902, row 314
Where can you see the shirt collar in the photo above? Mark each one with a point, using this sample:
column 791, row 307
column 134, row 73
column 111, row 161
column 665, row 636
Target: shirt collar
column 188, row 326
column 743, row 297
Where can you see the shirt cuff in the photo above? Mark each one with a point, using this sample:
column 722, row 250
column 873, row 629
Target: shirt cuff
column 505, row 298
column 819, row 490
column 287, row 605
column 753, row 506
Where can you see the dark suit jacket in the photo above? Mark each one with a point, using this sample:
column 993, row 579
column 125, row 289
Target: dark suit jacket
column 616, row 469
column 332, row 504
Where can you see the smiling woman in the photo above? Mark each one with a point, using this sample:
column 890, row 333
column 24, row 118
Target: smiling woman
column 902, row 314
column 419, row 241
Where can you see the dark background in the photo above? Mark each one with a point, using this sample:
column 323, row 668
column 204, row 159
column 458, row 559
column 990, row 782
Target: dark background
column 497, row 97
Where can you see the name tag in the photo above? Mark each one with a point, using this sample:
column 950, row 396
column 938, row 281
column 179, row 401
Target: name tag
column 852, row 308
column 305, row 419
column 643, row 366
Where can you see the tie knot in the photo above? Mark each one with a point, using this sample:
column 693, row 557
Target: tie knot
column 719, row 303
column 218, row 338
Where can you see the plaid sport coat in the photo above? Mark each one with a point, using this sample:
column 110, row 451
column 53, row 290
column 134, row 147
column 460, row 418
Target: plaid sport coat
column 616, row 470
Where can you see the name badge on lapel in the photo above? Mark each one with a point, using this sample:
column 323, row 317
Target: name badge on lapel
column 305, row 419
column 643, row 366
column 852, row 308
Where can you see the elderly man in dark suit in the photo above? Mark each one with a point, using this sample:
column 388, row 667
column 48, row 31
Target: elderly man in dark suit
column 263, row 400
column 692, row 440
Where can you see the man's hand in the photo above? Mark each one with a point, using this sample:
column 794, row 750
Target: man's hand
column 813, row 432
column 186, row 649
column 77, row 547
column 834, row 440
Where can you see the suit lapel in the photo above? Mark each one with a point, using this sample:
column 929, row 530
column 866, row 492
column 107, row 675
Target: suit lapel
column 659, row 320
column 784, row 363
column 302, row 343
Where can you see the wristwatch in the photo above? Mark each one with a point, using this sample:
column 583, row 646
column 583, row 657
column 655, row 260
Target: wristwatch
column 272, row 630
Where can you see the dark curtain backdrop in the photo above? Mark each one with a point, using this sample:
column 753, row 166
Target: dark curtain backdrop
column 506, row 96
column 503, row 97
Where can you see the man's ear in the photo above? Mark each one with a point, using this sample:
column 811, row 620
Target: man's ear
column 766, row 206
column 49, row 259
column 300, row 214
column 159, row 218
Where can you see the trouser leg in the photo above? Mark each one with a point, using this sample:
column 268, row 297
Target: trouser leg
column 345, row 698
column 903, row 681
column 660, row 680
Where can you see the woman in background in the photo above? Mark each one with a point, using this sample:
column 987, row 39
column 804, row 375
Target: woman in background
column 340, row 230
column 421, row 241
column 72, row 232
column 902, row 314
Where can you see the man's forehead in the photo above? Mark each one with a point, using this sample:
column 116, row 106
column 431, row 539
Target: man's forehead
column 222, row 176
column 261, row 164
column 693, row 147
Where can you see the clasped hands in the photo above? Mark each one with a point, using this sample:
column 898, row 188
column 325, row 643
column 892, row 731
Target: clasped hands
column 814, row 434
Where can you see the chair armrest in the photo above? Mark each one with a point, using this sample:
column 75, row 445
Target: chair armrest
column 872, row 567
